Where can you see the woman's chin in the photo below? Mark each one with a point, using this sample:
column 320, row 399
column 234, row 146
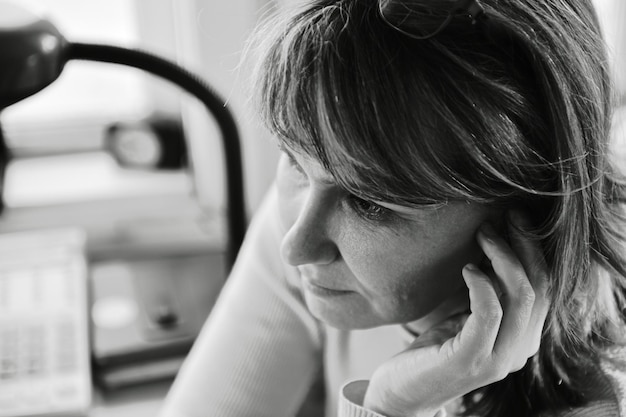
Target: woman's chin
column 341, row 315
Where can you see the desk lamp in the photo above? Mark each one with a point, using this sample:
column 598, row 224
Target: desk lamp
column 33, row 54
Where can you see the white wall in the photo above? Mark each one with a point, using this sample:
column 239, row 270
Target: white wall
column 213, row 34
column 612, row 14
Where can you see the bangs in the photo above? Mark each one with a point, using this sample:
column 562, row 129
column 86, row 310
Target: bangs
column 337, row 90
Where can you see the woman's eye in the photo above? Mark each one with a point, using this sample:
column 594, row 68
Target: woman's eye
column 368, row 210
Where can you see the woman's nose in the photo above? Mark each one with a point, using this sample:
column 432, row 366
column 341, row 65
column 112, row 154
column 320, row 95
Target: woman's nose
column 308, row 240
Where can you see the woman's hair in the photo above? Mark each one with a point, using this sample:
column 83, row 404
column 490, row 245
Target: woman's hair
column 514, row 110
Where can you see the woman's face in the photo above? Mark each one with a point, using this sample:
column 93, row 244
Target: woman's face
column 365, row 264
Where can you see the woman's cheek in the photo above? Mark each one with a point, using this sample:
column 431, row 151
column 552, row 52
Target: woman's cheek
column 368, row 253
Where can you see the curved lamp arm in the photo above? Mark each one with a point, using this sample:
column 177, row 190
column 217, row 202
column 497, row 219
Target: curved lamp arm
column 33, row 54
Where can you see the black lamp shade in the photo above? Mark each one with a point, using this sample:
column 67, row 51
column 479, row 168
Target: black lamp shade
column 31, row 53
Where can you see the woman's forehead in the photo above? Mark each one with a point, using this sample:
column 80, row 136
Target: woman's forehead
column 348, row 179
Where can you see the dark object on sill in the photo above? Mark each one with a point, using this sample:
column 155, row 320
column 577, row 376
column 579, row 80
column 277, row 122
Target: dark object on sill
column 157, row 142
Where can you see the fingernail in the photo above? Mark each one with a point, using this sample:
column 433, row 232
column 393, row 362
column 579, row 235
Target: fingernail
column 488, row 230
column 471, row 267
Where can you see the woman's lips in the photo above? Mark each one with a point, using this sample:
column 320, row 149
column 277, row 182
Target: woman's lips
column 321, row 290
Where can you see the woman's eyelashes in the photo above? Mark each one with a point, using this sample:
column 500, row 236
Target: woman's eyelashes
column 368, row 210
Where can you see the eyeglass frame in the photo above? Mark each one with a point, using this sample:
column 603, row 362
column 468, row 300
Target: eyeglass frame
column 470, row 8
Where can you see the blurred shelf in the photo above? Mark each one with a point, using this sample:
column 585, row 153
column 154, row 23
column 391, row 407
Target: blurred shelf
column 140, row 401
column 128, row 227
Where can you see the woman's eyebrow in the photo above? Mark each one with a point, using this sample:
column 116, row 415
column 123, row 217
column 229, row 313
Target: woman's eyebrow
column 325, row 179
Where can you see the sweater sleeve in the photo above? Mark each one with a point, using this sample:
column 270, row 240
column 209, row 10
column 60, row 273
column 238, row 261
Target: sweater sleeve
column 351, row 400
column 259, row 350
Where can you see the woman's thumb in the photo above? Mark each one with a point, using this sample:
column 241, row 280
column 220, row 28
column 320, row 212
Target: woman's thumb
column 440, row 332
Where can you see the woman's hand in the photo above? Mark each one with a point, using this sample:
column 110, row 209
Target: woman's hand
column 504, row 329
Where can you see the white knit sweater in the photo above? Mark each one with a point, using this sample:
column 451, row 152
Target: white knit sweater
column 261, row 349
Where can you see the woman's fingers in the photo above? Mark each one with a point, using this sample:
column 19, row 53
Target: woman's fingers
column 517, row 298
column 441, row 332
column 508, row 308
column 520, row 272
column 533, row 260
column 483, row 324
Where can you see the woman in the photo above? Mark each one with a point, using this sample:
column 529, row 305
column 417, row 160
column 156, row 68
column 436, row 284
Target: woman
column 445, row 231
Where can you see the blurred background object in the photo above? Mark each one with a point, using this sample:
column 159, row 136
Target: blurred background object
column 157, row 142
column 33, row 54
column 156, row 236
